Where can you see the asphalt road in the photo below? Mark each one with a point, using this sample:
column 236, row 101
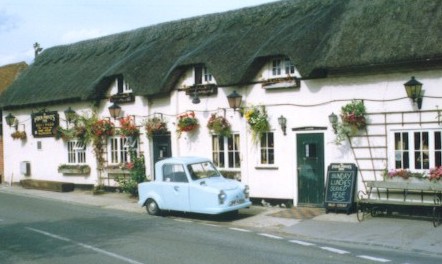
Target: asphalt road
column 34, row 230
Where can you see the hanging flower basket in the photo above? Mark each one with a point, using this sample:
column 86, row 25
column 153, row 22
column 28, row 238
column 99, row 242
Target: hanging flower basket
column 219, row 125
column 128, row 127
column 353, row 120
column 353, row 114
column 155, row 126
column 19, row 135
column 65, row 134
column 103, row 128
column 257, row 119
column 187, row 122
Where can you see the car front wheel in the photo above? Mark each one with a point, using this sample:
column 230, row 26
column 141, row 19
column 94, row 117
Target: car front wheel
column 152, row 207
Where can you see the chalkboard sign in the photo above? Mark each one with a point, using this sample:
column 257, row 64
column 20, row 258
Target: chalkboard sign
column 43, row 123
column 340, row 187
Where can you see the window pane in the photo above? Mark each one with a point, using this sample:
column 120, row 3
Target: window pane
column 276, row 67
column 289, row 67
column 218, row 151
column 421, row 152
column 401, row 150
column 267, row 149
column 71, row 152
column 233, row 147
column 437, row 149
column 207, row 75
column 198, row 74
column 271, row 156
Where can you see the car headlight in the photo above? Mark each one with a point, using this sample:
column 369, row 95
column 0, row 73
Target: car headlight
column 247, row 191
column 222, row 197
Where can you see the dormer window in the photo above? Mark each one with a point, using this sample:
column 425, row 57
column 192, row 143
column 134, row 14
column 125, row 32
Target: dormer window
column 282, row 67
column 121, row 92
column 202, row 75
column 197, row 82
column 123, row 86
column 280, row 72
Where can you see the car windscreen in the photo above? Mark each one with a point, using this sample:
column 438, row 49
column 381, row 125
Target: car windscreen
column 202, row 170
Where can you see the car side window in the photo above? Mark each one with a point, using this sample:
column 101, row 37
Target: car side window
column 174, row 173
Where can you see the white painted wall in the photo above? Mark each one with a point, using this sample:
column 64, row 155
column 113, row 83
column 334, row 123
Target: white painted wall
column 306, row 106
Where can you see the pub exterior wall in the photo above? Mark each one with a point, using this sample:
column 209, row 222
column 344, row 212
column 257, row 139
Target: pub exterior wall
column 304, row 107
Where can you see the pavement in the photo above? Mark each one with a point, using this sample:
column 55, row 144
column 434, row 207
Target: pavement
column 311, row 224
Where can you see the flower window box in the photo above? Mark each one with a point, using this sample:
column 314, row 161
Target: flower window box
column 283, row 82
column 67, row 169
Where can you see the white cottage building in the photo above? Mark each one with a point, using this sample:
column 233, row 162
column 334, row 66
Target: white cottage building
column 301, row 61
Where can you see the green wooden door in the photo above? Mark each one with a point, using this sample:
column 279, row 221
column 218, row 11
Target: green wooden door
column 310, row 161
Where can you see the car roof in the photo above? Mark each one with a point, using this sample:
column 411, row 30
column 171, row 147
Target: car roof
column 184, row 159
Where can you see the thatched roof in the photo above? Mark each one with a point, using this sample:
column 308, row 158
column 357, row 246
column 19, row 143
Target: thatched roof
column 320, row 36
column 10, row 72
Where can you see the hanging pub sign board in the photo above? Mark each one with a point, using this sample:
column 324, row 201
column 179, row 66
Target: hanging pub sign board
column 340, row 186
column 43, row 123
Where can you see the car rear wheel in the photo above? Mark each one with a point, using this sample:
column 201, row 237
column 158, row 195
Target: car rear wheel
column 152, row 207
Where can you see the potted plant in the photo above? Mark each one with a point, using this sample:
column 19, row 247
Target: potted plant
column 187, row 122
column 155, row 126
column 256, row 117
column 128, row 127
column 19, row 135
column 219, row 125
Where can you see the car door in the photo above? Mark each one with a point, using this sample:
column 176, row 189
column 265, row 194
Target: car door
column 175, row 189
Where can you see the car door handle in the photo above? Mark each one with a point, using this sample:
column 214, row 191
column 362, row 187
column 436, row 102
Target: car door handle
column 177, row 188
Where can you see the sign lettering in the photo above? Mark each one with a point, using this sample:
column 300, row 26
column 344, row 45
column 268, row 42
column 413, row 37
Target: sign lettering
column 341, row 181
column 43, row 123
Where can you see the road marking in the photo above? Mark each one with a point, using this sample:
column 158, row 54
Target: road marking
column 239, row 229
column 374, row 258
column 206, row 224
column 269, row 235
column 49, row 234
column 183, row 220
column 101, row 251
column 335, row 250
column 303, row 243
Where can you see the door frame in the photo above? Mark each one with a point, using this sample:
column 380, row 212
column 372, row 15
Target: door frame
column 307, row 131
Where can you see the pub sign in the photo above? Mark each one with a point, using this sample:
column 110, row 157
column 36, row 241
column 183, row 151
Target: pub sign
column 43, row 123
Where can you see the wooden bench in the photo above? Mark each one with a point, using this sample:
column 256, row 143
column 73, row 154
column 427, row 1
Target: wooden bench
column 388, row 196
column 47, row 185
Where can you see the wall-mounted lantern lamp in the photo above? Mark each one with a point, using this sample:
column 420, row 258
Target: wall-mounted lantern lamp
column 11, row 120
column 196, row 99
column 333, row 119
column 114, row 111
column 414, row 91
column 235, row 100
column 283, row 123
column 70, row 115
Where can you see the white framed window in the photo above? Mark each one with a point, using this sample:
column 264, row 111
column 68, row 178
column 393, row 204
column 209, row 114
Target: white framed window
column 202, row 75
column 118, row 149
column 226, row 151
column 267, row 149
column 417, row 150
column 123, row 86
column 282, row 67
column 76, row 152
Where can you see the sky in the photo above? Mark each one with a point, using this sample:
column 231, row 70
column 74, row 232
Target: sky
column 58, row 22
